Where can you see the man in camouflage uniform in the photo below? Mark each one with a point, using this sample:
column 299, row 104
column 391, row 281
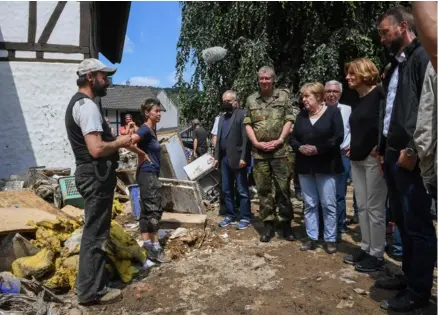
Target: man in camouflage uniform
column 268, row 123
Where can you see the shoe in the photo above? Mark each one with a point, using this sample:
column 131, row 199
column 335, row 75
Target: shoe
column 158, row 255
column 353, row 220
column 268, row 233
column 288, row 234
column 369, row 264
column 405, row 301
column 357, row 256
column 226, row 222
column 111, row 296
column 243, row 224
column 330, row 247
column 308, row 245
column 398, row 282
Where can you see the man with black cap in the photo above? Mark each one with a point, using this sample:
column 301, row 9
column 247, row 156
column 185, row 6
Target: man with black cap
column 96, row 154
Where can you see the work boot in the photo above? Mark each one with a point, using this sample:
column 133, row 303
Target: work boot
column 268, row 232
column 288, row 234
column 111, row 296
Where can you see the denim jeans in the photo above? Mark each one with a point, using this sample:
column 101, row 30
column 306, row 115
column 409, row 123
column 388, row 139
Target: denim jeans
column 240, row 178
column 411, row 205
column 319, row 189
column 341, row 192
column 96, row 186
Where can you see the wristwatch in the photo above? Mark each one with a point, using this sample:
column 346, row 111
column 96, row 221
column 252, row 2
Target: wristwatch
column 410, row 152
column 281, row 139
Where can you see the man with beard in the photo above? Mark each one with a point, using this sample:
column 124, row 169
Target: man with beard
column 96, row 154
column 410, row 201
column 268, row 123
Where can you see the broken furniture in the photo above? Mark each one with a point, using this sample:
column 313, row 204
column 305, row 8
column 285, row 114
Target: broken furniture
column 208, row 178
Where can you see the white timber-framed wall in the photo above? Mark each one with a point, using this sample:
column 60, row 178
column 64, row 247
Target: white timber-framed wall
column 41, row 45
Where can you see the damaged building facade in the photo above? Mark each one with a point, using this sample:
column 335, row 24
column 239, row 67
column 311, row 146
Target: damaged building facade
column 41, row 45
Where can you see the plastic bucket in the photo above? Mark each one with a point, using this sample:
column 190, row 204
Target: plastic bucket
column 134, row 195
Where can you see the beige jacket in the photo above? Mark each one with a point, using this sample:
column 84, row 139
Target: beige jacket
column 425, row 135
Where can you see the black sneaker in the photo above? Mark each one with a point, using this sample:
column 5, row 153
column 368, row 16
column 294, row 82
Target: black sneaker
column 405, row 301
column 308, row 245
column 355, row 257
column 157, row 255
column 398, row 282
column 369, row 264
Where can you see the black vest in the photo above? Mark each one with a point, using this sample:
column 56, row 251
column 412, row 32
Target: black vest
column 77, row 140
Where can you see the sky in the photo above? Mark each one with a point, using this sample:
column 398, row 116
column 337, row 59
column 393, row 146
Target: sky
column 149, row 54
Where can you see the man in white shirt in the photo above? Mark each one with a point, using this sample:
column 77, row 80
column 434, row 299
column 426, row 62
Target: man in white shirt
column 333, row 92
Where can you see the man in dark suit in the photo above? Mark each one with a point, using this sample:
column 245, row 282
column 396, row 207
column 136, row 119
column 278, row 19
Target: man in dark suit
column 232, row 155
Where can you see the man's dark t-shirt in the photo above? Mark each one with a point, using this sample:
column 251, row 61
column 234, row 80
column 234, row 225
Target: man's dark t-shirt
column 201, row 134
column 150, row 145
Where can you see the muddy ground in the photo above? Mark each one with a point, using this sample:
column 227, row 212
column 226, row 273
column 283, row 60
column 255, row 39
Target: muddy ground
column 240, row 275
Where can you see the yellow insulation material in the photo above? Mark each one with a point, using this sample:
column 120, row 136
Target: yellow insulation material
column 36, row 266
column 123, row 252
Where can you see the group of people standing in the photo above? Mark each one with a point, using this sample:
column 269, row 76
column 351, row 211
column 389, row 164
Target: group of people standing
column 387, row 139
column 376, row 138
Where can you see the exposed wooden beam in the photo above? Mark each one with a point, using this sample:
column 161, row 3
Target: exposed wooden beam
column 40, row 60
column 31, row 35
column 45, row 35
column 85, row 23
column 67, row 49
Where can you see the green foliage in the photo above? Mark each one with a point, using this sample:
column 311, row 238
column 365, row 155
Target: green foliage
column 304, row 41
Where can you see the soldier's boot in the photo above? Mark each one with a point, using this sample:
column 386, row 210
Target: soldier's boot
column 268, row 232
column 288, row 234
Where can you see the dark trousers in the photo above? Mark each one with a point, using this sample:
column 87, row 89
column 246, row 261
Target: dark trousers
column 410, row 205
column 341, row 193
column 96, row 186
column 150, row 197
column 235, row 180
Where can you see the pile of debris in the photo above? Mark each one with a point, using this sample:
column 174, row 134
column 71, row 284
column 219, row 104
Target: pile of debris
column 182, row 241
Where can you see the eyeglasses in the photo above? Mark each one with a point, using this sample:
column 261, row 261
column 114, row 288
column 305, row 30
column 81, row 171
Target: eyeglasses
column 332, row 91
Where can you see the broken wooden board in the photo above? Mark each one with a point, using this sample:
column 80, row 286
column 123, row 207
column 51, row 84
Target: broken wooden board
column 49, row 172
column 26, row 199
column 171, row 220
column 15, row 220
column 72, row 211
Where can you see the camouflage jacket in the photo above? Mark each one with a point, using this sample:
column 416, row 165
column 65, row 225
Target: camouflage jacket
column 267, row 117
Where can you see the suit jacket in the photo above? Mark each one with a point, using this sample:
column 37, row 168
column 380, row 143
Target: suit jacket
column 237, row 146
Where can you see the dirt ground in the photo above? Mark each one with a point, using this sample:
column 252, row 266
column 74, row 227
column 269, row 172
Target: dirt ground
column 244, row 276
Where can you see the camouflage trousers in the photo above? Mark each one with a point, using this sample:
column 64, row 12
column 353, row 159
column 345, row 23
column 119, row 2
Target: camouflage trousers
column 272, row 178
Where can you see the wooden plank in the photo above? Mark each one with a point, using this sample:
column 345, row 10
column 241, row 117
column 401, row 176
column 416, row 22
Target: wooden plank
column 66, row 49
column 40, row 60
column 31, row 35
column 72, row 211
column 26, row 199
column 85, row 22
column 15, row 219
column 50, row 26
column 171, row 220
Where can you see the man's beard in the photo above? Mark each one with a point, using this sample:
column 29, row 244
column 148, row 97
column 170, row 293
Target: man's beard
column 98, row 89
column 396, row 45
